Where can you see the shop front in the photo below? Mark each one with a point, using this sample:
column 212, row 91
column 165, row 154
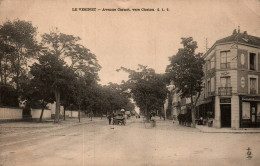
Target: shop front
column 249, row 111
column 225, row 112
column 206, row 109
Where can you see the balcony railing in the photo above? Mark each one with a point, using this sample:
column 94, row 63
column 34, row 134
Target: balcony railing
column 252, row 67
column 225, row 65
column 253, row 91
column 225, row 91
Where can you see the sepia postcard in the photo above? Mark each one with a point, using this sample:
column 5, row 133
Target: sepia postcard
column 129, row 83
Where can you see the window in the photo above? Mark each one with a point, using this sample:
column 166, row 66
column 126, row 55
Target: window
column 225, row 59
column 212, row 86
column 252, row 61
column 225, row 81
column 209, row 86
column 207, row 65
column 252, row 85
column 212, row 61
column 225, row 89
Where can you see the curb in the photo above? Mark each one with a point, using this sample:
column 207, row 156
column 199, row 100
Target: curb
column 230, row 132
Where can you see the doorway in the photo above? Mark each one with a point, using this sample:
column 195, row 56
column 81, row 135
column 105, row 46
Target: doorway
column 225, row 115
column 253, row 110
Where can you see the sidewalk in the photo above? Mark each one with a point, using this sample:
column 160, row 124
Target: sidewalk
column 206, row 129
column 168, row 125
column 14, row 128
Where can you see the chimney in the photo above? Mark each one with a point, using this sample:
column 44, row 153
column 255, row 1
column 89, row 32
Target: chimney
column 234, row 31
column 245, row 35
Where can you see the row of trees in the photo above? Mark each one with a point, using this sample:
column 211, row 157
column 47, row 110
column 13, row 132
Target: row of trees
column 55, row 68
column 185, row 71
column 148, row 89
column 65, row 71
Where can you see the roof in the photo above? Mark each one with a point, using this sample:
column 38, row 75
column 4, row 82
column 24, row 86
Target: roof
column 242, row 38
column 237, row 37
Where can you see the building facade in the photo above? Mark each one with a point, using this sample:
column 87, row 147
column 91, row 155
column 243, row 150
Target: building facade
column 231, row 95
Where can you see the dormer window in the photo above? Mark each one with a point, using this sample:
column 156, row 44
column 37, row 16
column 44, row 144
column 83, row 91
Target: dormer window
column 225, row 59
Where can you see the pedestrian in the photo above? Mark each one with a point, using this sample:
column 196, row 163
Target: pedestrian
column 109, row 117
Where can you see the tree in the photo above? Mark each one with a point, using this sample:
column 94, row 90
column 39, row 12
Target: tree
column 59, row 45
column 116, row 96
column 148, row 89
column 186, row 71
column 19, row 41
column 5, row 51
column 8, row 96
column 48, row 75
column 83, row 63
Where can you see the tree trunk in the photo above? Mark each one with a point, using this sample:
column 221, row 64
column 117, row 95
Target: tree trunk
column 91, row 114
column 57, row 111
column 1, row 73
column 43, row 106
column 193, row 111
column 18, row 70
column 5, row 74
column 79, row 113
column 146, row 110
column 64, row 118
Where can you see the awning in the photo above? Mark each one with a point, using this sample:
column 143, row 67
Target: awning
column 205, row 101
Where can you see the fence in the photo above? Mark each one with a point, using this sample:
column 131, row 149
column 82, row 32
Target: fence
column 7, row 113
column 11, row 113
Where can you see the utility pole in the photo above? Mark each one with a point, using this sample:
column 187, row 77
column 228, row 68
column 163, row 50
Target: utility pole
column 206, row 44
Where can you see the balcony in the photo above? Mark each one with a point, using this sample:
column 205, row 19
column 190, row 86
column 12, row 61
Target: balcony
column 253, row 91
column 225, row 65
column 252, row 67
column 225, row 91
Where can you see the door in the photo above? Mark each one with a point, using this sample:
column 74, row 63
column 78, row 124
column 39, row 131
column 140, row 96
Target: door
column 253, row 108
column 225, row 115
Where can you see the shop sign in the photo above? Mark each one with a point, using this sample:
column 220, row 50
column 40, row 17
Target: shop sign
column 225, row 100
column 250, row 98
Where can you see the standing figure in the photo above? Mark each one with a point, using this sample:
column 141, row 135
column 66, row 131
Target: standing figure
column 109, row 117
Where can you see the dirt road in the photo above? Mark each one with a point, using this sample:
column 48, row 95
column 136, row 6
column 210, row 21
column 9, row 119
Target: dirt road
column 96, row 143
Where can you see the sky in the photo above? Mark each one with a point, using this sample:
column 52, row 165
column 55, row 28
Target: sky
column 129, row 38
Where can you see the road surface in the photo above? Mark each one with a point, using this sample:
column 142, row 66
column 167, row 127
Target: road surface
column 95, row 143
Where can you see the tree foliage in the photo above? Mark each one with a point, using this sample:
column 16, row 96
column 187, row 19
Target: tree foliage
column 18, row 44
column 186, row 71
column 83, row 63
column 48, row 74
column 148, row 89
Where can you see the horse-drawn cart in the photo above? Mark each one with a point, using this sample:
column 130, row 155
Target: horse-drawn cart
column 119, row 119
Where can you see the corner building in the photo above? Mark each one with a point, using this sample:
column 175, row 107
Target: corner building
column 231, row 95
